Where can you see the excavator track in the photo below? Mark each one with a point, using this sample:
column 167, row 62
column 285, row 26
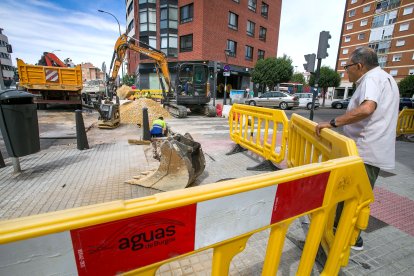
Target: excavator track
column 177, row 111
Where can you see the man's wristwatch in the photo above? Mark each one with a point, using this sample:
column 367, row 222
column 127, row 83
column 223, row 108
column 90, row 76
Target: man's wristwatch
column 333, row 123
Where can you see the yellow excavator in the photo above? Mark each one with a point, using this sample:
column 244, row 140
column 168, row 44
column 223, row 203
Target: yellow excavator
column 182, row 159
column 191, row 91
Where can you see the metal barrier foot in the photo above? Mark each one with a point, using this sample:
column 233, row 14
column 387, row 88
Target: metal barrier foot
column 236, row 149
column 405, row 138
column 266, row 165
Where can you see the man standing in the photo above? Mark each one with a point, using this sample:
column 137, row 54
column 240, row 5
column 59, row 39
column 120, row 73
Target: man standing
column 371, row 117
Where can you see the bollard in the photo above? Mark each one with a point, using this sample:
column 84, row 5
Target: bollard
column 2, row 164
column 146, row 135
column 16, row 164
column 117, row 100
column 82, row 139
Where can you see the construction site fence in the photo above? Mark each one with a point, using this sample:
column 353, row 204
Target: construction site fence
column 405, row 123
column 263, row 131
column 138, row 236
column 148, row 93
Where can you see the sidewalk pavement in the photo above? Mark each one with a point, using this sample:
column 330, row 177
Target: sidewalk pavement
column 62, row 177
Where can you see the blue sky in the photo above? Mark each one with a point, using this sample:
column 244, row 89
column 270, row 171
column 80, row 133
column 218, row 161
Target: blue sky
column 81, row 33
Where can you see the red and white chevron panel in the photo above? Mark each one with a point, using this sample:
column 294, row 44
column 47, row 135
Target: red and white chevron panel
column 52, row 75
column 126, row 244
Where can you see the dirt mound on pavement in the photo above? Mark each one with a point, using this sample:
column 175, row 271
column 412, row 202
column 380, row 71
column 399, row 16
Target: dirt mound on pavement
column 131, row 112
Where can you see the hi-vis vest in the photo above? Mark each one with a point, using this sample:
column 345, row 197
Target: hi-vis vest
column 157, row 126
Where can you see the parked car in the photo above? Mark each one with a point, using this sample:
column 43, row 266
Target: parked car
column 405, row 103
column 305, row 100
column 338, row 104
column 275, row 99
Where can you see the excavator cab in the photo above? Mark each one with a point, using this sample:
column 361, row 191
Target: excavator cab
column 192, row 84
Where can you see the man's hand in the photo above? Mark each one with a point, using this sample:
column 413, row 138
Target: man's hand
column 322, row 125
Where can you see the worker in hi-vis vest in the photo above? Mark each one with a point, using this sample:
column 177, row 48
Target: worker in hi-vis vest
column 158, row 128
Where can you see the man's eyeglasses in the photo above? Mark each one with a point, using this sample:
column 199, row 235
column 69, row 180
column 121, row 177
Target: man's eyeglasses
column 349, row 65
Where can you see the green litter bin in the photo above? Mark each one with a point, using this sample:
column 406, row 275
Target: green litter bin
column 18, row 123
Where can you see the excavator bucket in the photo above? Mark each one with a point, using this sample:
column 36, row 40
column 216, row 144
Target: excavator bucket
column 182, row 161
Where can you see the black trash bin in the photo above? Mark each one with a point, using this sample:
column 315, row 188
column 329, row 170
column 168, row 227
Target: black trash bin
column 18, row 123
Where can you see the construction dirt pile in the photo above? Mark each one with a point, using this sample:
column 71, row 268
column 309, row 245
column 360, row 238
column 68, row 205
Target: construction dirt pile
column 124, row 92
column 131, row 112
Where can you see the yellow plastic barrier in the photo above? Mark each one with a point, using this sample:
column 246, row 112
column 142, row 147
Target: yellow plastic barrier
column 261, row 130
column 405, row 123
column 137, row 236
column 148, row 93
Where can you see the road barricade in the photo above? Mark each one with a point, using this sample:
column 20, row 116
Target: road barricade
column 405, row 123
column 137, row 236
column 263, row 131
column 148, row 93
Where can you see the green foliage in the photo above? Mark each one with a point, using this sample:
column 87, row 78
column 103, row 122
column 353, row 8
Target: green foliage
column 298, row 78
column 128, row 80
column 328, row 78
column 271, row 71
column 406, row 87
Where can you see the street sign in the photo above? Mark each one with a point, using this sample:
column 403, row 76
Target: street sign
column 226, row 68
column 226, row 73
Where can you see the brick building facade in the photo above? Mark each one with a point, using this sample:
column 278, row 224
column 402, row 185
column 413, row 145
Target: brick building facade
column 201, row 31
column 387, row 26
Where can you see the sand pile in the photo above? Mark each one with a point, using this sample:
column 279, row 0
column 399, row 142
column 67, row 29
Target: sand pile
column 124, row 92
column 131, row 112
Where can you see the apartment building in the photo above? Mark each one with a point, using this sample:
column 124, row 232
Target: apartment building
column 201, row 31
column 387, row 26
column 6, row 66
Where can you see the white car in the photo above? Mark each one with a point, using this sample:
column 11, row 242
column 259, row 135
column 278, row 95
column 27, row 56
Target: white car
column 305, row 100
column 275, row 99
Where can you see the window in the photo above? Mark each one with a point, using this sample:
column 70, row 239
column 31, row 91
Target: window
column 353, row 1
column 250, row 28
column 262, row 33
column 186, row 43
column 130, row 7
column 147, row 20
column 345, row 51
column 347, row 38
column 364, row 22
column 233, row 21
column 186, row 13
column 237, row 1
column 130, row 26
column 260, row 54
column 404, row 27
column 343, row 63
column 361, row 36
column 342, row 74
column 396, row 57
column 147, row 1
column 351, row 13
column 169, row 44
column 393, row 72
column 366, row 8
column 249, row 52
column 400, row 43
column 265, row 9
column 349, row 26
column 232, row 46
column 411, row 72
column 150, row 40
column 408, row 10
column 252, row 5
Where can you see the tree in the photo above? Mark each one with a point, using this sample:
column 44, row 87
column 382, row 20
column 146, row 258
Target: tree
column 271, row 71
column 128, row 80
column 327, row 78
column 298, row 78
column 406, row 87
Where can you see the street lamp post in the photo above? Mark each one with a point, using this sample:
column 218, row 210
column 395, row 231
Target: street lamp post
column 119, row 29
column 226, row 53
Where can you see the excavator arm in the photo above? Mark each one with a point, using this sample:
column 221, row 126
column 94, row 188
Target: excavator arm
column 124, row 43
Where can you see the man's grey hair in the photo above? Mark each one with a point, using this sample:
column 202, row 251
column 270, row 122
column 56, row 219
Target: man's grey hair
column 366, row 56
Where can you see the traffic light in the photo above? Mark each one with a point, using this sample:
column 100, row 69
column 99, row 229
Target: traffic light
column 310, row 63
column 323, row 46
